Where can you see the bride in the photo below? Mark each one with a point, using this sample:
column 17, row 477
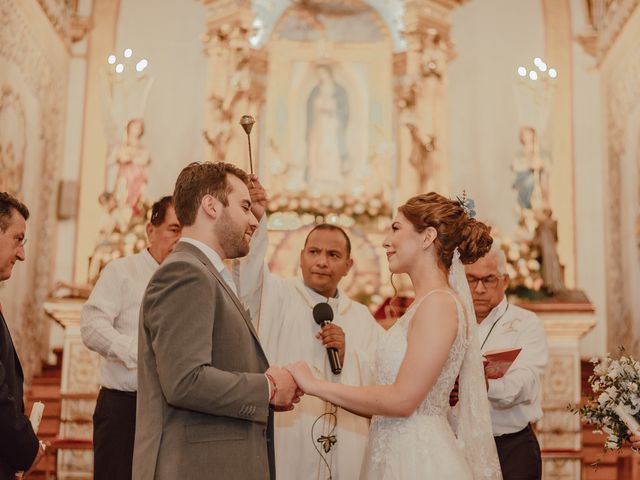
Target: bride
column 420, row 357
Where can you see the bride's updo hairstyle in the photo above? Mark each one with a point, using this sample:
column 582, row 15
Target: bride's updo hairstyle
column 454, row 226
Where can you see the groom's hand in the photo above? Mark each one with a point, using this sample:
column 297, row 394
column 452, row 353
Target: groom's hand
column 286, row 392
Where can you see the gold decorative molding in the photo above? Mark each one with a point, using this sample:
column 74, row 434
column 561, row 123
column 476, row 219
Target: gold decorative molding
column 12, row 150
column 421, row 95
column 79, row 27
column 621, row 88
column 606, row 21
column 236, row 84
column 46, row 78
column 58, row 13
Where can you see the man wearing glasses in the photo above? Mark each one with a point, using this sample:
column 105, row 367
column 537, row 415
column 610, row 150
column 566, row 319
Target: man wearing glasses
column 19, row 446
column 514, row 398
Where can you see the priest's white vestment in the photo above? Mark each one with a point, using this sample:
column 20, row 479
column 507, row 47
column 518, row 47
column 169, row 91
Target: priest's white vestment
column 281, row 309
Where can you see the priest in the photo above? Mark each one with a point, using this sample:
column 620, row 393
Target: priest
column 317, row 440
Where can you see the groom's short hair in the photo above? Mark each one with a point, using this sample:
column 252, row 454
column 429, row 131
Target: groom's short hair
column 199, row 179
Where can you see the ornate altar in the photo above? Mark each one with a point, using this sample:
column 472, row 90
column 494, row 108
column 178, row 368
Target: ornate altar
column 350, row 101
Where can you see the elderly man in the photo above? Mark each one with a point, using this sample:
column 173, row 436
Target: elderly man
column 109, row 326
column 514, row 398
column 19, row 446
column 317, row 440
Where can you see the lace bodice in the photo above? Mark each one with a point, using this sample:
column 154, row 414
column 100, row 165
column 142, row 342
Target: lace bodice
column 393, row 346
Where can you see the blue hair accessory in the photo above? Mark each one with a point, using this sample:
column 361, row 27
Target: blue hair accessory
column 467, row 204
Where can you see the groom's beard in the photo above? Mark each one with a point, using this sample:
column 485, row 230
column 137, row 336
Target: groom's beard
column 232, row 237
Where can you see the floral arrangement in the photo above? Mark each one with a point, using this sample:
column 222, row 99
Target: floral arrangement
column 361, row 208
column 614, row 406
column 523, row 267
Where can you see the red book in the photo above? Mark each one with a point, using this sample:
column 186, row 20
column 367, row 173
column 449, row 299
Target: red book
column 499, row 361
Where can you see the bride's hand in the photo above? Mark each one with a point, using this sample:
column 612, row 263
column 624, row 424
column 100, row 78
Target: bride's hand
column 303, row 376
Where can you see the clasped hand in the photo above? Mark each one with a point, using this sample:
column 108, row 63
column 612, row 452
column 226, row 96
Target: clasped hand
column 287, row 393
column 303, row 376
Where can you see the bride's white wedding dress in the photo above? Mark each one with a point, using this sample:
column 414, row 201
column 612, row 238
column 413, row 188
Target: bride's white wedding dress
column 423, row 445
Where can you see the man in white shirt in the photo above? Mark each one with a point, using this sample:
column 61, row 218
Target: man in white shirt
column 317, row 439
column 514, row 398
column 109, row 326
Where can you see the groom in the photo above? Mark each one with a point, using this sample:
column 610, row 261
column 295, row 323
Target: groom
column 204, row 385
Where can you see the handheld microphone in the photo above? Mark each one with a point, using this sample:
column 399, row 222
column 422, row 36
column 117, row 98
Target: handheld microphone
column 323, row 315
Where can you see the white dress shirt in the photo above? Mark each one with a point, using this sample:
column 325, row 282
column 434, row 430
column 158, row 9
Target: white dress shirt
column 110, row 318
column 215, row 260
column 515, row 398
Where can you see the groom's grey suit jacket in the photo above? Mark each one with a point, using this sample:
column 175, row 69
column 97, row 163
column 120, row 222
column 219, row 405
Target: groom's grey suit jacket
column 203, row 400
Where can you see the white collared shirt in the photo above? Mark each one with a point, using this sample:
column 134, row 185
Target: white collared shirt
column 515, row 398
column 318, row 298
column 215, row 260
column 110, row 318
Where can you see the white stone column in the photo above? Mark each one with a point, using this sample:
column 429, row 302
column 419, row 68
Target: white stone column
column 559, row 431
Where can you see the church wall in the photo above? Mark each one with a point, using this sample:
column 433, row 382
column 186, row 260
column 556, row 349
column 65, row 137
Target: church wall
column 70, row 171
column 492, row 37
column 34, row 62
column 168, row 34
column 93, row 145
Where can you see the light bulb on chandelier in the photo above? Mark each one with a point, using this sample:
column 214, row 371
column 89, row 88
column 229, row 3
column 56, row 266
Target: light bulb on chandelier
column 541, row 71
column 141, row 65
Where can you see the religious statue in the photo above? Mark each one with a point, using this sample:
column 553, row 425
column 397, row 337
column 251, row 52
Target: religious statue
column 115, row 240
column 531, row 170
column 420, row 156
column 546, row 240
column 132, row 160
column 326, row 135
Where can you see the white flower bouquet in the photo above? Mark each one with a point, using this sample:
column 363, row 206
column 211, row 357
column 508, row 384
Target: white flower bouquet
column 614, row 406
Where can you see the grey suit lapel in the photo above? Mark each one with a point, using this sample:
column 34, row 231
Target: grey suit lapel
column 199, row 254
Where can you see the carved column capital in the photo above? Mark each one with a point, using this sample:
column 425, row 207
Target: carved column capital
column 79, row 27
column 606, row 19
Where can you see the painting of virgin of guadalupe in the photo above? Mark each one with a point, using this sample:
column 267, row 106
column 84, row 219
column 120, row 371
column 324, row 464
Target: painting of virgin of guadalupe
column 326, row 133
